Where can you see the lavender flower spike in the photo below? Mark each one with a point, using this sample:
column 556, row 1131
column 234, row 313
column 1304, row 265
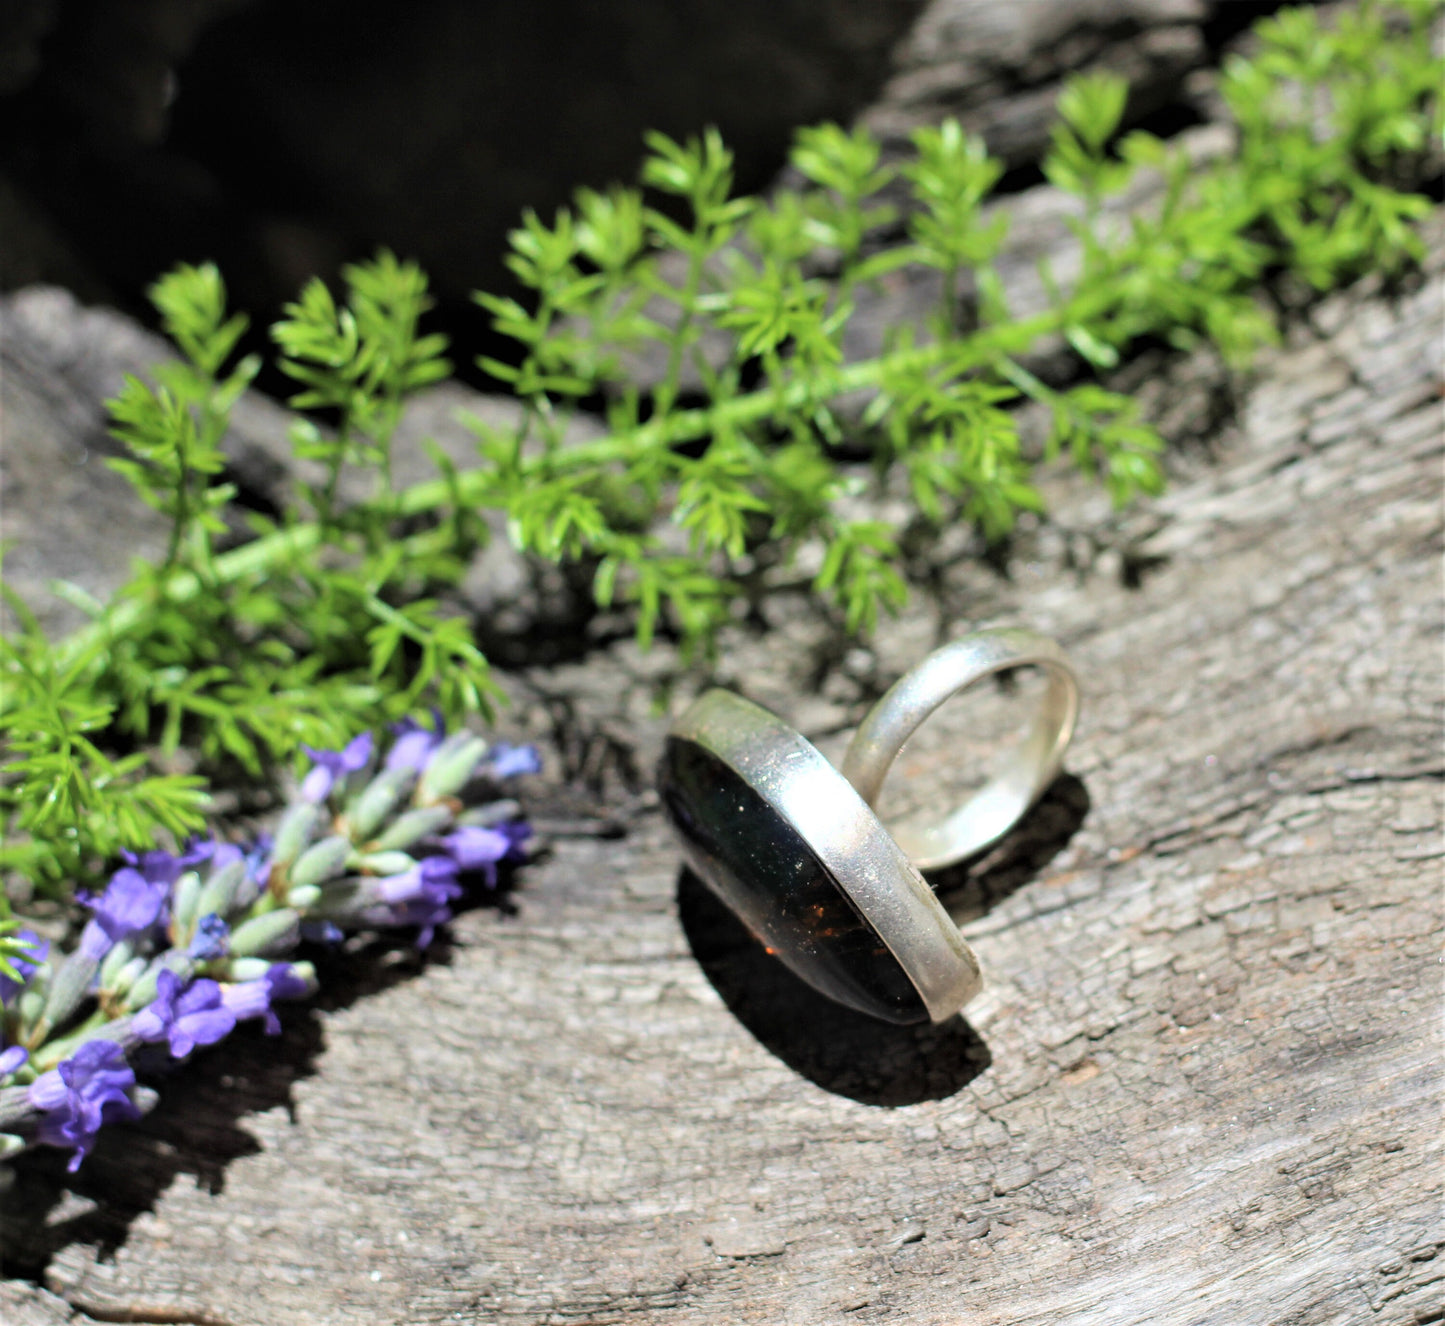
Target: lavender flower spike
column 375, row 838
column 82, row 1092
column 333, row 766
column 194, row 1017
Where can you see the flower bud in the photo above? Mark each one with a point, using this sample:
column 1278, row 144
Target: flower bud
column 69, row 986
column 376, row 801
column 183, row 906
column 120, row 955
column 220, row 894
column 411, row 827
column 321, row 861
column 298, row 826
column 451, row 768
column 267, row 935
column 342, row 898
column 126, row 977
column 304, row 897
column 31, row 1003
column 247, row 891
column 386, row 863
column 247, row 969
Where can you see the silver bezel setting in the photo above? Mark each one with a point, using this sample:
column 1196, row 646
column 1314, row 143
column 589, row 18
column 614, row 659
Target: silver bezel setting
column 869, row 867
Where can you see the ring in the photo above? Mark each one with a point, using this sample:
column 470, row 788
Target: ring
column 1021, row 775
column 795, row 849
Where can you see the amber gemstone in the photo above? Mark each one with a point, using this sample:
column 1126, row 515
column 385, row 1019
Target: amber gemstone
column 749, row 854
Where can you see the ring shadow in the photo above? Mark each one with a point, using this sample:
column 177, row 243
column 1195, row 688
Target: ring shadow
column 847, row 1052
column 197, row 1126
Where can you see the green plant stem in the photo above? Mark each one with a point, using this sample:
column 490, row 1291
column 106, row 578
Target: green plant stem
column 326, row 515
column 667, row 392
column 257, row 557
column 181, row 518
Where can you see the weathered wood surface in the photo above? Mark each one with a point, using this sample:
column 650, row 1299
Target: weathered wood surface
column 1202, row 1086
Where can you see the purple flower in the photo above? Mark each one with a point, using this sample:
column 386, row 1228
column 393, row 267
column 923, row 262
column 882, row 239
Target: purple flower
column 333, row 766
column 90, row 1088
column 253, row 999
column 195, row 1016
column 12, row 1060
column 130, row 904
column 210, row 938
column 431, row 880
column 507, row 761
column 24, row 962
column 474, row 848
column 415, row 744
column 135, row 899
column 420, row 896
column 165, row 867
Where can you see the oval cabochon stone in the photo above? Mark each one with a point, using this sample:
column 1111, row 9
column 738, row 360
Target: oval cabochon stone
column 763, row 869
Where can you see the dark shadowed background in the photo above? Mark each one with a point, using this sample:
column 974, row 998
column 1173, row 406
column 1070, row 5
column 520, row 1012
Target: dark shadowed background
column 283, row 137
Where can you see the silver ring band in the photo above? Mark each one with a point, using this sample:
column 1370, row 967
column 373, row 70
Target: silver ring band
column 1020, row 776
column 793, row 846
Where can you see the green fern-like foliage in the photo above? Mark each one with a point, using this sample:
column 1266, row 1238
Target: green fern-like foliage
column 712, row 328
